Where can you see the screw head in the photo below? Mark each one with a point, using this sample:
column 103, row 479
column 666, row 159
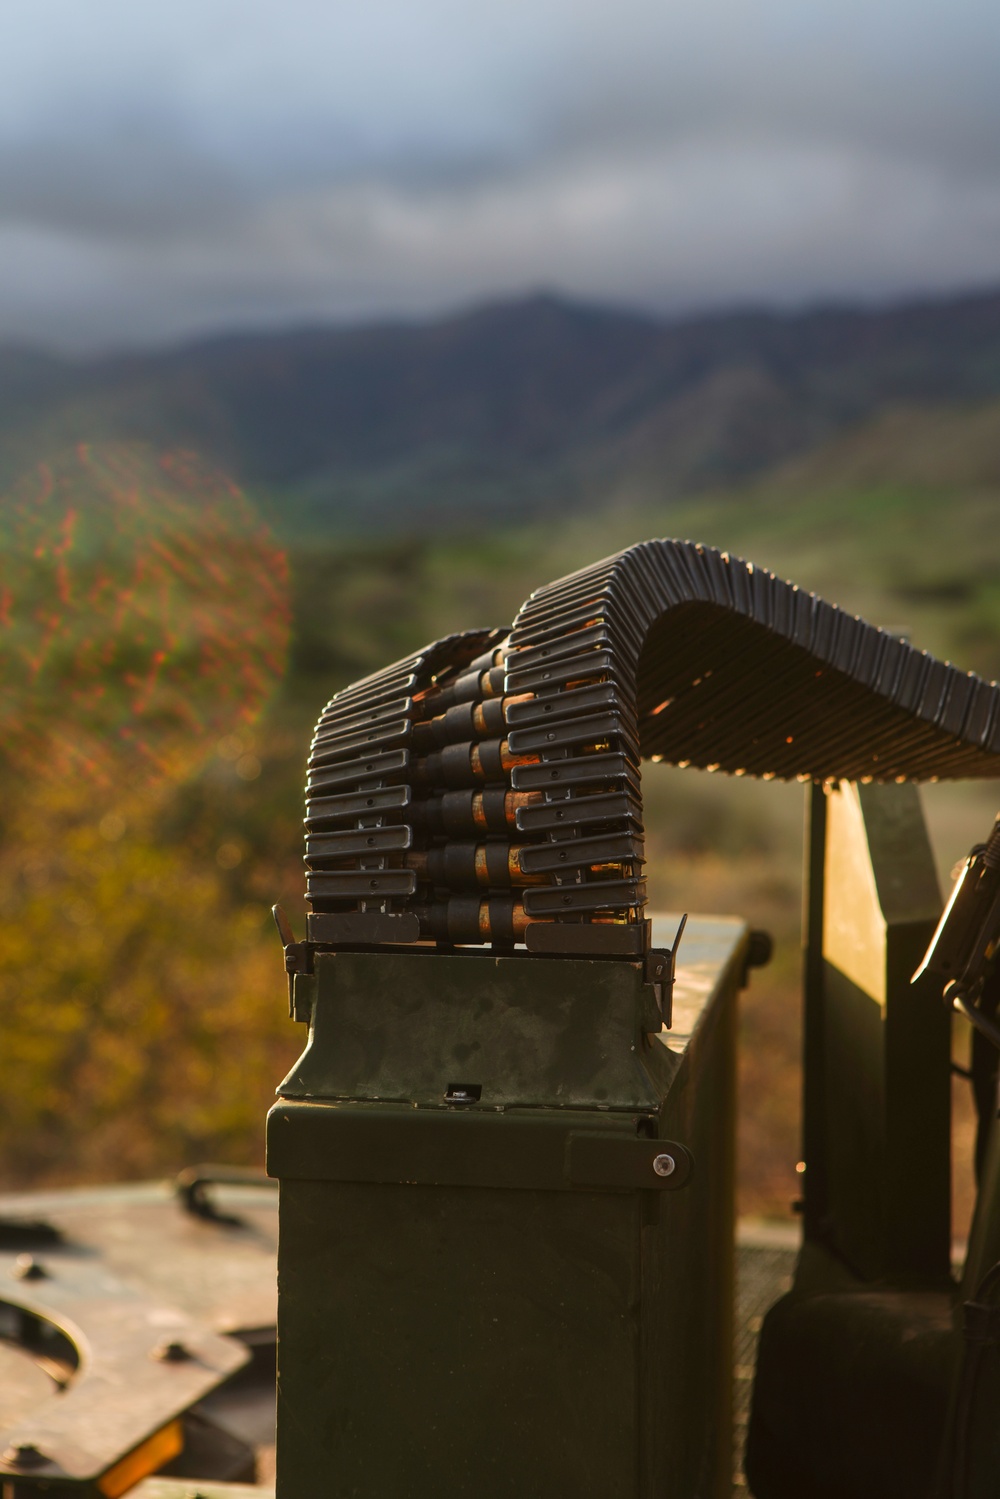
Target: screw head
column 664, row 1165
column 24, row 1455
column 171, row 1351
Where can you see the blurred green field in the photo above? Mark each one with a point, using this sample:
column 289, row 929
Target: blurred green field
column 141, row 978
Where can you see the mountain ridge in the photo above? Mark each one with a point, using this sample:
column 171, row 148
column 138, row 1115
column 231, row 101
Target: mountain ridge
column 511, row 408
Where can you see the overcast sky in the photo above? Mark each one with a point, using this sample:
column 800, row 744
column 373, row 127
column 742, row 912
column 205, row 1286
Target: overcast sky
column 174, row 168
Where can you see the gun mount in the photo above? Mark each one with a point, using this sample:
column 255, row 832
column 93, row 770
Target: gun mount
column 505, row 1155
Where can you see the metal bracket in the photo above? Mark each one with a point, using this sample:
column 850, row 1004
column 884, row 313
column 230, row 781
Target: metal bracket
column 298, row 955
column 659, row 972
column 614, row 1161
column 528, row 1150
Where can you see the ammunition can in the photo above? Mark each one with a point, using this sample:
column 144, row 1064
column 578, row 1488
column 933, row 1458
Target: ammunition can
column 505, row 1255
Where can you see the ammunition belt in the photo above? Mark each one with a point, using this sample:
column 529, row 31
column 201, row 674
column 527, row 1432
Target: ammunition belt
column 359, row 794
column 488, row 788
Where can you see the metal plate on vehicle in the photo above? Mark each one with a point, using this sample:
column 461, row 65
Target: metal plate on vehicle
column 140, row 1361
column 187, row 1488
column 219, row 1270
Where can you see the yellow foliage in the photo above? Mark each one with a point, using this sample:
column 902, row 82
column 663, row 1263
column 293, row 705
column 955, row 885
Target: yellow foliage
column 144, row 614
column 143, row 1018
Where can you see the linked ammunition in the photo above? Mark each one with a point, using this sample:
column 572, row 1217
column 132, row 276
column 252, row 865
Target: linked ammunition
column 499, row 762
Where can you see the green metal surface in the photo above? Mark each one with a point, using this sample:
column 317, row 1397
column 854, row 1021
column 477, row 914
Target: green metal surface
column 527, row 1148
column 569, row 1038
column 506, row 1303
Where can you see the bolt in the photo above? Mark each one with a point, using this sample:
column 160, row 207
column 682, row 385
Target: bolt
column 24, row 1455
column 664, row 1165
column 171, row 1351
column 26, row 1267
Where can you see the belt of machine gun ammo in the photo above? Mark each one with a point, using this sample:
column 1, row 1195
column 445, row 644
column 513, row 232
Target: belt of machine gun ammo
column 487, row 788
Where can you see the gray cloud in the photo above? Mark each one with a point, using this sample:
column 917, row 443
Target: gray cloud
column 124, row 185
column 164, row 173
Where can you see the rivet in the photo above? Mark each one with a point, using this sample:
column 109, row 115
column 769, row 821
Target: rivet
column 26, row 1267
column 664, row 1165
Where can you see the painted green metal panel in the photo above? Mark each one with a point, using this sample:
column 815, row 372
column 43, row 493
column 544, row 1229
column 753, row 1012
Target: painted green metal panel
column 877, row 1106
column 559, row 1032
column 463, row 1306
column 444, row 1341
